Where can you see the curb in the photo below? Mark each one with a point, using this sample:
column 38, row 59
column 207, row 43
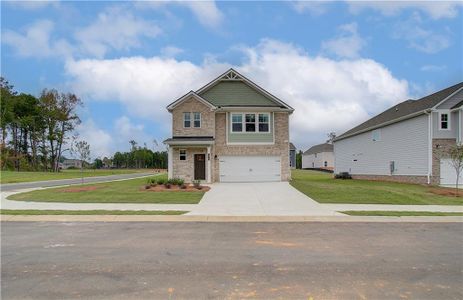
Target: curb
column 254, row 219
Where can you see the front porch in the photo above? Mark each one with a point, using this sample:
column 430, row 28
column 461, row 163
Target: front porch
column 190, row 158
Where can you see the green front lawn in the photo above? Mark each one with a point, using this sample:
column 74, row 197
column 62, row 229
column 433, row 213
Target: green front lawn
column 36, row 212
column 323, row 188
column 16, row 177
column 126, row 191
column 400, row 213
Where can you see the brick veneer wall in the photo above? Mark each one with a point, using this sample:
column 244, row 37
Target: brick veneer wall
column 193, row 105
column 394, row 178
column 440, row 148
column 279, row 148
column 184, row 169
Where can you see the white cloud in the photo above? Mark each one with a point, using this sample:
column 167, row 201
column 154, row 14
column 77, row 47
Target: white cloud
column 100, row 141
column 36, row 41
column 33, row 4
column 315, row 8
column 171, row 51
column 116, row 28
column 435, row 9
column 433, row 68
column 328, row 95
column 347, row 43
column 206, row 11
column 419, row 38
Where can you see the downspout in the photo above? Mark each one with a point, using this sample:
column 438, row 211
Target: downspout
column 429, row 113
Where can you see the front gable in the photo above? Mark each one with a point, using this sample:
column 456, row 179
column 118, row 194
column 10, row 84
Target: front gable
column 236, row 93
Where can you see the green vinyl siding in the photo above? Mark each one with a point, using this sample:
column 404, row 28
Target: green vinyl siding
column 250, row 137
column 236, row 93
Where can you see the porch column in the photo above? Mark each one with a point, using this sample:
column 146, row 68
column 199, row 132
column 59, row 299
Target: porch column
column 208, row 164
column 170, row 163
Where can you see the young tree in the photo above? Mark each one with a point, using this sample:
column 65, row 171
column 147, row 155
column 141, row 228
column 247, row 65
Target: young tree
column 82, row 150
column 299, row 160
column 331, row 136
column 456, row 160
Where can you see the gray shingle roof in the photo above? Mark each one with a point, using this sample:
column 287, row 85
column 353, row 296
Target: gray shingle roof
column 291, row 146
column 320, row 148
column 403, row 109
column 458, row 104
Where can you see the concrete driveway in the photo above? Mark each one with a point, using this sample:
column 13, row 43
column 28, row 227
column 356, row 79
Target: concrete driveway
column 258, row 199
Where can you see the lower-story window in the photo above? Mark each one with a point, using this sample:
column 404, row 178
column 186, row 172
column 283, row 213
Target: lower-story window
column 182, row 154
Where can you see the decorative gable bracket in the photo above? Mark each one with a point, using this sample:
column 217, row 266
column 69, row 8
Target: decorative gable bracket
column 231, row 75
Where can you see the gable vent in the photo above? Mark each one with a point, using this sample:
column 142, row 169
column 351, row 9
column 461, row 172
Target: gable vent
column 231, row 76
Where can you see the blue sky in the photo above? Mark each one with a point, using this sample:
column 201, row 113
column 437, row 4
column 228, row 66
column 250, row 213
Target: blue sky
column 336, row 63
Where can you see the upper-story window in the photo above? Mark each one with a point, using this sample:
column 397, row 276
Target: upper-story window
column 264, row 122
column 376, row 135
column 197, row 119
column 237, row 122
column 250, row 122
column 444, row 121
column 186, row 120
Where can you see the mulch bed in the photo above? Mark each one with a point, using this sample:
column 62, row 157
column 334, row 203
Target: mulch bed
column 81, row 189
column 450, row 192
column 176, row 188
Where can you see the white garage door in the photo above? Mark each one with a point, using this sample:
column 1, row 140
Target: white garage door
column 250, row 168
column 448, row 176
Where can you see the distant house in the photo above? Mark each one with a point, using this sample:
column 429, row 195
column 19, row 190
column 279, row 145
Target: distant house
column 407, row 142
column 318, row 157
column 68, row 163
column 292, row 156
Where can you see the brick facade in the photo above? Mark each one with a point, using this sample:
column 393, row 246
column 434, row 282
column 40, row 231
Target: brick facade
column 394, row 178
column 193, row 105
column 184, row 169
column 279, row 148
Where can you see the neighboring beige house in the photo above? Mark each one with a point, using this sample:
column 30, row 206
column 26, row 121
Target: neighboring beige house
column 318, row 157
column 67, row 163
column 230, row 130
column 408, row 142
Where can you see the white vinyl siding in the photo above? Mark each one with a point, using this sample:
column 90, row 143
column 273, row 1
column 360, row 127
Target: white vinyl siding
column 448, row 175
column 405, row 143
column 317, row 161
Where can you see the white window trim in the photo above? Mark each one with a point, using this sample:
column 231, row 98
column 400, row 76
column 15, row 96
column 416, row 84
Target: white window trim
column 243, row 122
column 200, row 119
column 180, row 154
column 183, row 116
column 448, row 113
column 380, row 135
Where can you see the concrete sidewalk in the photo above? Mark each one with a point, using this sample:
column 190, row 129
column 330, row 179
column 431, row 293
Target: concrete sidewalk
column 230, row 219
column 391, row 207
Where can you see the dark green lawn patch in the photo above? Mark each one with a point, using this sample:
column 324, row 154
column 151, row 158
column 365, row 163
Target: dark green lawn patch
column 323, row 188
column 34, row 212
column 125, row 191
column 399, row 213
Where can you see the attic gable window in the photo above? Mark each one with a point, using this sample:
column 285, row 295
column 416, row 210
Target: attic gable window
column 444, row 123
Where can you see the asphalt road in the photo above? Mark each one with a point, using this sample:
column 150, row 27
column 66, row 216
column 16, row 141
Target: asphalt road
column 44, row 260
column 49, row 183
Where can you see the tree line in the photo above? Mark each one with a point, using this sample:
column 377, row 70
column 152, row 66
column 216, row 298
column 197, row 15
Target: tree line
column 138, row 157
column 35, row 130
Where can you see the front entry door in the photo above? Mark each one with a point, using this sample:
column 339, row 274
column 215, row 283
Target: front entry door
column 200, row 166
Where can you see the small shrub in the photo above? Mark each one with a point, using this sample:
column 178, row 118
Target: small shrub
column 72, row 168
column 147, row 186
column 343, row 175
column 183, row 186
column 168, row 185
column 161, row 181
column 197, row 184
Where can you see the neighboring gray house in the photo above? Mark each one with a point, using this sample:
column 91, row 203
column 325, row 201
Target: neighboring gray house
column 406, row 142
column 292, row 156
column 230, row 130
column 318, row 157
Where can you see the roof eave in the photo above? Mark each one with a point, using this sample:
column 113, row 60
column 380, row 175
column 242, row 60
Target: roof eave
column 177, row 102
column 409, row 116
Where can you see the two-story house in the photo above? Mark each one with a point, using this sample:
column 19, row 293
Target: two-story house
column 318, row 157
column 230, row 130
column 408, row 142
